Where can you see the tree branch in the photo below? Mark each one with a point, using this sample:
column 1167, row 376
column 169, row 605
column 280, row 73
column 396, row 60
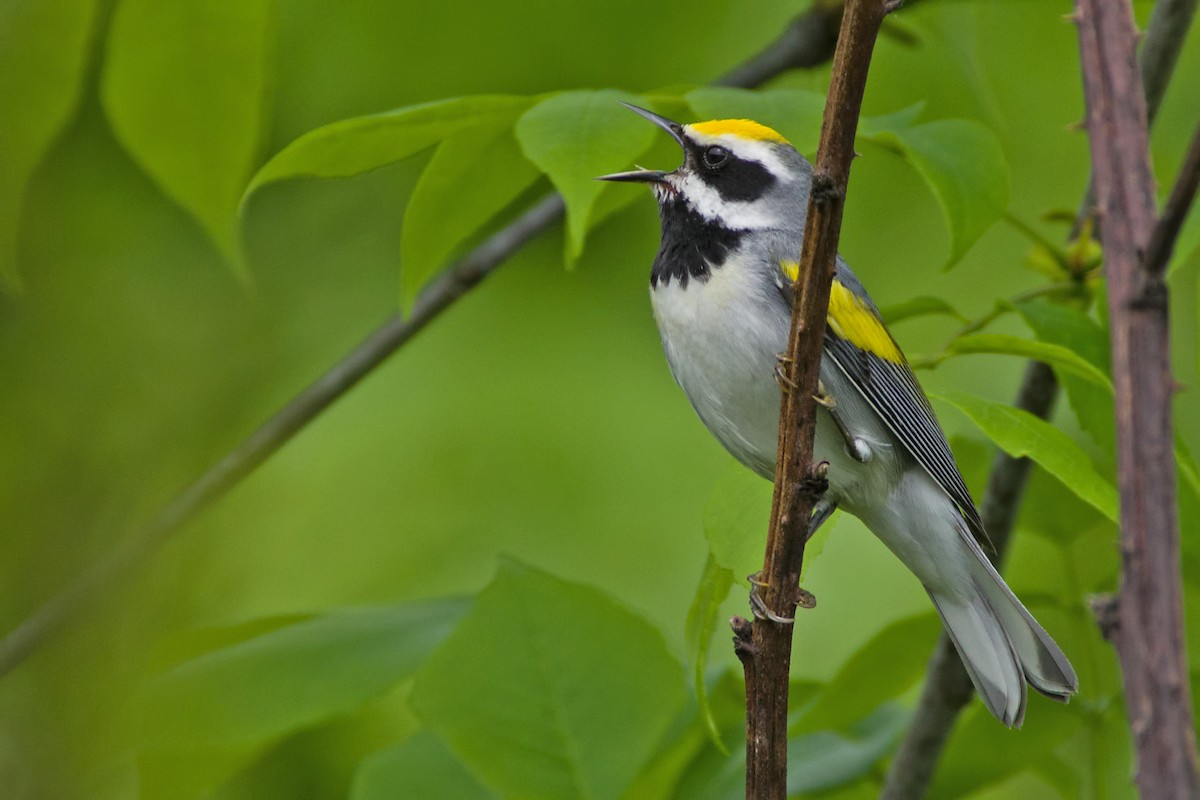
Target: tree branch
column 804, row 42
column 1148, row 630
column 764, row 646
column 946, row 690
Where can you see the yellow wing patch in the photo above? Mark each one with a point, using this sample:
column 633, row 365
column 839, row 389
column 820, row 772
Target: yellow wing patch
column 745, row 128
column 853, row 320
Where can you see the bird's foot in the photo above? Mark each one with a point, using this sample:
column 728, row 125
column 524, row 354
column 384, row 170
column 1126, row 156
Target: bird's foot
column 781, row 376
column 804, row 599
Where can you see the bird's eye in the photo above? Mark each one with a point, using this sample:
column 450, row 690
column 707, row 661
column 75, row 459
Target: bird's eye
column 715, row 156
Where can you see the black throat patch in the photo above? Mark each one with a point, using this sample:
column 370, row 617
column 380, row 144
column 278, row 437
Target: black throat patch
column 691, row 246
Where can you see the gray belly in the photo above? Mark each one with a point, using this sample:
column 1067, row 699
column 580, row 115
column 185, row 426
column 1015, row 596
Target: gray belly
column 722, row 341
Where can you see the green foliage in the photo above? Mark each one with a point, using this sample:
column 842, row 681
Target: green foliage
column 601, row 141
column 288, row 644
column 471, row 178
column 964, row 165
column 882, row 669
column 550, row 689
column 185, row 88
column 419, row 767
column 1060, row 357
column 292, row 677
column 43, row 49
column 1020, row 433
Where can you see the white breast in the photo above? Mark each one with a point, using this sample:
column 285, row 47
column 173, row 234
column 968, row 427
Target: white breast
column 722, row 338
column 722, row 348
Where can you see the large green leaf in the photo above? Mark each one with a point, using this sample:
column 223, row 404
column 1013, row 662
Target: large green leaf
column 43, row 51
column 883, row 668
column 736, row 518
column 550, row 689
column 357, row 145
column 473, row 176
column 981, row 753
column 1020, row 433
column 1071, row 328
column 293, row 677
column 574, row 137
column 184, row 86
column 1057, row 356
column 963, row 164
column 420, row 767
column 795, row 113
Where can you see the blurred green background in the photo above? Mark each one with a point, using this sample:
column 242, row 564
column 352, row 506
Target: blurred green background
column 536, row 419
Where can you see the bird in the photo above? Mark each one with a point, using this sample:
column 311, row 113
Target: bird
column 732, row 219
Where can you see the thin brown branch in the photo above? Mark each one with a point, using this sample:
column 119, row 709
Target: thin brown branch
column 802, row 43
column 766, row 651
column 1148, row 629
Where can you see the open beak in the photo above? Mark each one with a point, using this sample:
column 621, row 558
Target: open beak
column 647, row 175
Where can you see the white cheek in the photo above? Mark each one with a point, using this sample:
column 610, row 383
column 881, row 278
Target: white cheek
column 738, row 214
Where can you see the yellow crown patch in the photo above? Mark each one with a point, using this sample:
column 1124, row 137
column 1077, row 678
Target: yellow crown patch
column 745, row 128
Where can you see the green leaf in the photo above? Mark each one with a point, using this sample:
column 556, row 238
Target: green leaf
column 883, row 668
column 711, row 592
column 471, row 178
column 963, row 164
column 293, row 677
column 184, row 86
column 816, row 763
column 358, row 145
column 1020, row 433
column 550, row 689
column 574, row 137
column 43, row 54
column 795, row 113
column 982, row 753
column 920, row 306
column 419, row 767
column 1057, row 356
column 1071, row 328
column 736, row 518
column 827, row 759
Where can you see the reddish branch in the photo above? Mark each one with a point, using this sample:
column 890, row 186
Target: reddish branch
column 764, row 646
column 1146, row 625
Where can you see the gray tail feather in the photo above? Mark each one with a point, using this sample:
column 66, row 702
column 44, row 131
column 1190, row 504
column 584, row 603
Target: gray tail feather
column 1045, row 665
column 1002, row 646
column 988, row 655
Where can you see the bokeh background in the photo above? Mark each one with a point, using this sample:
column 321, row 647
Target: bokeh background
column 535, row 419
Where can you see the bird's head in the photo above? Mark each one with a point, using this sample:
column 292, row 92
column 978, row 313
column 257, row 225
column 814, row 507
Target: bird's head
column 736, row 173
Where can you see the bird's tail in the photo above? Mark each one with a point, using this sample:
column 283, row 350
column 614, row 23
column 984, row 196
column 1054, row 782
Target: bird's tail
column 1002, row 646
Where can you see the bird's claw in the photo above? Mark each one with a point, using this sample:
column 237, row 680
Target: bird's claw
column 758, row 606
column 781, row 376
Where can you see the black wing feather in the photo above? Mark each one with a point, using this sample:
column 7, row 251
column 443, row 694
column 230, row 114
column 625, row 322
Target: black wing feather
column 893, row 391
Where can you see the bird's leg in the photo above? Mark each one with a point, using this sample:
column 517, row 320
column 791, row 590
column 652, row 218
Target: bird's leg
column 821, row 512
column 858, row 449
column 758, row 606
